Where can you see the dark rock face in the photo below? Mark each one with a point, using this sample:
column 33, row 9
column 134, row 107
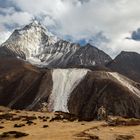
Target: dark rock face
column 89, row 56
column 92, row 68
column 128, row 64
column 22, row 85
column 99, row 88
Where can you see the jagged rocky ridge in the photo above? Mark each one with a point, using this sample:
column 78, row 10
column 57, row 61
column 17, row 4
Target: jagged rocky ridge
column 77, row 91
column 38, row 46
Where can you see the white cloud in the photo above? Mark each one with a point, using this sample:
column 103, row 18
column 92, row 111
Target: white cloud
column 84, row 19
column 4, row 36
column 11, row 16
column 122, row 44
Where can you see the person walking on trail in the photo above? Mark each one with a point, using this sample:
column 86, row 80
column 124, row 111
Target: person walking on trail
column 101, row 114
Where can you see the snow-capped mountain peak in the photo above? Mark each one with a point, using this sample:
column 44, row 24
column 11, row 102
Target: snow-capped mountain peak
column 41, row 47
column 32, row 39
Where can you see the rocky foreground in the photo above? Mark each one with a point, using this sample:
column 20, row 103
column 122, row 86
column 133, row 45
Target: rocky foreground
column 25, row 125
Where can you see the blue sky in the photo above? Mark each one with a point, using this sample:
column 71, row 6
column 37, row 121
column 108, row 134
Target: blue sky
column 110, row 25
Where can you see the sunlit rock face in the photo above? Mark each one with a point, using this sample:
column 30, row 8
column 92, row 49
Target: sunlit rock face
column 40, row 47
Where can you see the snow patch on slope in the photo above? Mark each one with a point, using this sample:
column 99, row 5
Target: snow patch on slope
column 125, row 83
column 64, row 82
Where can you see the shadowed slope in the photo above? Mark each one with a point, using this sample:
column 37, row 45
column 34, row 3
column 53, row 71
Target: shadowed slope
column 21, row 84
column 102, row 88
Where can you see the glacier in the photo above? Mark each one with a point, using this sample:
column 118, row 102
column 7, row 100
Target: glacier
column 64, row 82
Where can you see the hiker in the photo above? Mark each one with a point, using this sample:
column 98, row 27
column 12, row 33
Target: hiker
column 101, row 114
column 44, row 107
